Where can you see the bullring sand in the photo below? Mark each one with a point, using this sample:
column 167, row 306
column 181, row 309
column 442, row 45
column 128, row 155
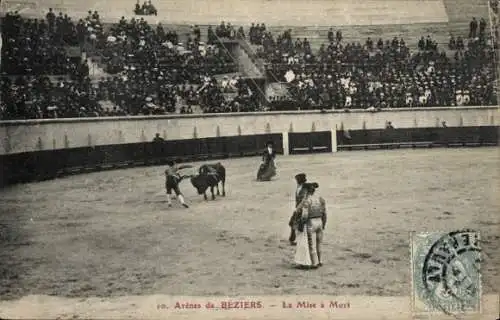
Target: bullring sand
column 107, row 245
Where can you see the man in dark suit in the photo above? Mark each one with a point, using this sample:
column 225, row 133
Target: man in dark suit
column 300, row 194
column 158, row 146
column 158, row 139
column 482, row 28
column 473, row 28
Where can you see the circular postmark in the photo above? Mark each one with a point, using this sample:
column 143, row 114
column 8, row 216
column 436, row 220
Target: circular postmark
column 451, row 275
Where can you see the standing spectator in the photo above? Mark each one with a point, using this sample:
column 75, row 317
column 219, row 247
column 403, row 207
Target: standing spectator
column 51, row 18
column 380, row 43
column 212, row 38
column 473, row 28
column 241, row 33
column 197, row 33
column 421, row 44
column 369, row 44
column 482, row 28
column 251, row 33
column 339, row 36
column 430, row 45
column 220, row 30
column 330, row 35
column 460, row 43
column 452, row 45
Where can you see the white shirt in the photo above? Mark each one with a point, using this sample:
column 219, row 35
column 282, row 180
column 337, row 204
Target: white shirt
column 233, row 82
column 348, row 101
column 409, row 98
column 345, row 82
column 299, row 189
column 466, row 98
column 370, row 87
column 428, row 93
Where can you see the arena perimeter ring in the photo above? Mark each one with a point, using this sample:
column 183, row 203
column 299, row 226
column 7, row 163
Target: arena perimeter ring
column 112, row 234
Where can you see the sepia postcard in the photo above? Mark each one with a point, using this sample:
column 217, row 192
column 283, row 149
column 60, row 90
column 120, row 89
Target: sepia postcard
column 249, row 159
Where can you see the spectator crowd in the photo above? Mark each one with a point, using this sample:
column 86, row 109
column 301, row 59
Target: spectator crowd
column 381, row 74
column 32, row 46
column 155, row 70
column 147, row 9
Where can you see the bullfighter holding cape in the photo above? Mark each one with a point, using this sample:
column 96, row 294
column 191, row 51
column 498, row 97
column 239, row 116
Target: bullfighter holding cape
column 267, row 168
column 300, row 194
column 172, row 180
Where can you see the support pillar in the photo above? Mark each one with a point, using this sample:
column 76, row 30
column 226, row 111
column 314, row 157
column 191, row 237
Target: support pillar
column 334, row 140
column 286, row 151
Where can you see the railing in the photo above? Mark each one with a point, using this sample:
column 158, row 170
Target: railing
column 493, row 17
column 253, row 56
column 298, row 113
column 256, row 85
column 260, row 63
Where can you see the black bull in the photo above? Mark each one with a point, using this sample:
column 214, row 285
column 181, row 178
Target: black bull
column 203, row 180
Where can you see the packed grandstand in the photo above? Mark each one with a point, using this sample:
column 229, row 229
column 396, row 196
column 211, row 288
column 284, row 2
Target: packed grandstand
column 48, row 69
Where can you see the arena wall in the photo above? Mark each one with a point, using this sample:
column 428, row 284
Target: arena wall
column 36, row 150
column 52, row 134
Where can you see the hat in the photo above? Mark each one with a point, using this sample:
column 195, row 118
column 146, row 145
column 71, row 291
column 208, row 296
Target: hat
column 301, row 178
column 269, row 143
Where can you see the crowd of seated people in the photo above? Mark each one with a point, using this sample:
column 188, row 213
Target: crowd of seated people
column 131, row 93
column 32, row 46
column 150, row 65
column 147, row 9
column 385, row 74
column 139, row 93
column 38, row 97
column 212, row 99
column 155, row 72
column 137, row 44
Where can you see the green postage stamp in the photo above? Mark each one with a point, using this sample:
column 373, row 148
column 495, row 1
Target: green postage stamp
column 446, row 274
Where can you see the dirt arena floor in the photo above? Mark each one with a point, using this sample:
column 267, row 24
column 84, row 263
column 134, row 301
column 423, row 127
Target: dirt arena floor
column 110, row 234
